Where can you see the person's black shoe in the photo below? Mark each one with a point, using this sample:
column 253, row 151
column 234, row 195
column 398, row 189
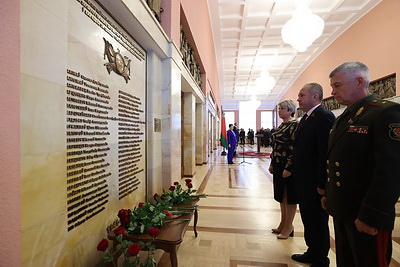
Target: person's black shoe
column 321, row 263
column 304, row 258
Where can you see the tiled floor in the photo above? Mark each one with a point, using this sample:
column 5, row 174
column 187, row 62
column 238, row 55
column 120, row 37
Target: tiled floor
column 236, row 217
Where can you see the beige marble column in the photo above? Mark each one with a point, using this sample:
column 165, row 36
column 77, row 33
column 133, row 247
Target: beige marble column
column 204, row 137
column 200, row 129
column 154, row 136
column 171, row 123
column 189, row 136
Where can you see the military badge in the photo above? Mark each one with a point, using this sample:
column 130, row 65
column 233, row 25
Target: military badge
column 358, row 129
column 394, row 131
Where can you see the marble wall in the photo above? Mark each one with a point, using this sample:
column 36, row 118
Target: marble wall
column 200, row 134
column 63, row 71
column 63, row 39
column 189, row 134
column 171, row 123
column 154, row 108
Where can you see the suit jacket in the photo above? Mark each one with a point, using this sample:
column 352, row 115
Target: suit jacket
column 310, row 146
column 232, row 139
column 364, row 164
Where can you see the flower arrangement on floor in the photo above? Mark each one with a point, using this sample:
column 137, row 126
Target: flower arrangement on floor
column 148, row 218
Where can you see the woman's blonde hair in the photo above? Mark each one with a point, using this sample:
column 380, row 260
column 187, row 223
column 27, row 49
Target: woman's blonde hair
column 289, row 105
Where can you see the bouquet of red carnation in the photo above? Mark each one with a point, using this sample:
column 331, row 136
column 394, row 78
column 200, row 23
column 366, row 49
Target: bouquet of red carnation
column 177, row 195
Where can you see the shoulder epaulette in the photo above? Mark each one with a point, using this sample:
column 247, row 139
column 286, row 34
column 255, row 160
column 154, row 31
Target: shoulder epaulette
column 382, row 103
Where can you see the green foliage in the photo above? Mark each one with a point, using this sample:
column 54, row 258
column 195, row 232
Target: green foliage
column 145, row 217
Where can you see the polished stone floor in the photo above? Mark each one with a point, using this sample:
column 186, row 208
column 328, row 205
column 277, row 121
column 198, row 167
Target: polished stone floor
column 236, row 217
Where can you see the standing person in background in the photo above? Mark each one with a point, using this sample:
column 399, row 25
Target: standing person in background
column 232, row 141
column 250, row 136
column 242, row 136
column 267, row 137
column 236, row 131
column 259, row 133
column 309, row 171
column 281, row 168
column 363, row 182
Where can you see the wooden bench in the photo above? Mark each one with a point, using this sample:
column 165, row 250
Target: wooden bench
column 170, row 236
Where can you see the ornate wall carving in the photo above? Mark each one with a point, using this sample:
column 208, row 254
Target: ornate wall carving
column 189, row 60
column 155, row 6
column 384, row 87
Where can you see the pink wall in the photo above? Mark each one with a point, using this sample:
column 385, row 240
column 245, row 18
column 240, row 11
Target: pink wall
column 373, row 40
column 170, row 19
column 10, row 252
column 198, row 19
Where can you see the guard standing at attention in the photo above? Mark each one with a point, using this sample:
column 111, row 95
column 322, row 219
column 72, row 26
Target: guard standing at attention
column 363, row 183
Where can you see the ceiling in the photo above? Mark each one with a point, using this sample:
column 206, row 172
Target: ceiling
column 247, row 35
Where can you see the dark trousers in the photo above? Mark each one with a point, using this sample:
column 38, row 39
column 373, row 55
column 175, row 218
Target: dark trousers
column 357, row 249
column 231, row 153
column 242, row 140
column 315, row 221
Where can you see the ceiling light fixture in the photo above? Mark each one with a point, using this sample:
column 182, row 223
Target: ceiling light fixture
column 253, row 104
column 265, row 82
column 302, row 29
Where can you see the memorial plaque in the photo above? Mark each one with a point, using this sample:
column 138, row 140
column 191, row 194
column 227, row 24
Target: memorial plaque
column 105, row 114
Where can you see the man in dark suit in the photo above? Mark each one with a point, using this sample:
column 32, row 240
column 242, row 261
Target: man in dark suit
column 309, row 170
column 363, row 182
column 242, row 136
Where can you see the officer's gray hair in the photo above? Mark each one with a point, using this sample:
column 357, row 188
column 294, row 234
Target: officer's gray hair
column 316, row 88
column 289, row 105
column 353, row 67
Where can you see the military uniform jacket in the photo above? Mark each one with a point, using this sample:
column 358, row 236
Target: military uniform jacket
column 364, row 163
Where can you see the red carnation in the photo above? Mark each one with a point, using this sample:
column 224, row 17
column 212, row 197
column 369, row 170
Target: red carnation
column 124, row 217
column 134, row 249
column 154, row 232
column 176, row 183
column 163, row 198
column 169, row 213
column 103, row 245
column 171, row 188
column 189, row 185
column 188, row 180
column 141, row 204
column 120, row 231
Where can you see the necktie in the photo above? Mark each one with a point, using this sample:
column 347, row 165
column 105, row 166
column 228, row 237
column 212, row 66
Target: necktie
column 303, row 119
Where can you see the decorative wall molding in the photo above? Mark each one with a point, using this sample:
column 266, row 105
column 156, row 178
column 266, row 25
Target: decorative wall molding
column 155, row 6
column 188, row 58
column 384, row 87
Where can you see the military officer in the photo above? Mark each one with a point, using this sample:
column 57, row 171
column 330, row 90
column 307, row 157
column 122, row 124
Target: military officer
column 363, row 181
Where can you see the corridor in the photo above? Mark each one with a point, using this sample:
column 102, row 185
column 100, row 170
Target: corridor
column 236, row 217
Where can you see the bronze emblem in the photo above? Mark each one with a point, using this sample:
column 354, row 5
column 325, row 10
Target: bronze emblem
column 121, row 65
column 359, row 111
